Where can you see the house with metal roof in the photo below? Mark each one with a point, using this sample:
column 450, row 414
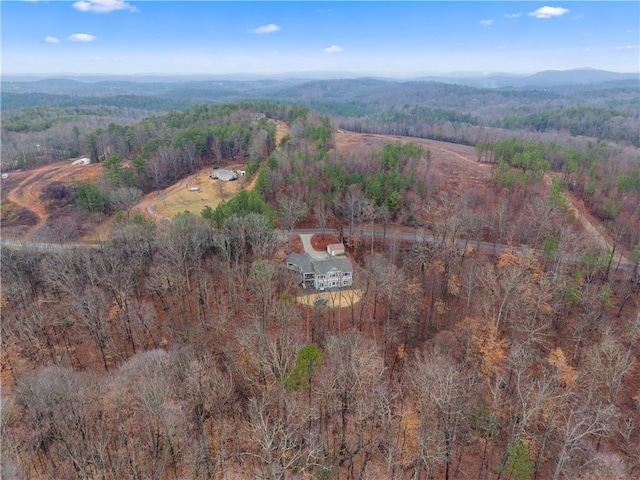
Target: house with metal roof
column 224, row 175
column 330, row 272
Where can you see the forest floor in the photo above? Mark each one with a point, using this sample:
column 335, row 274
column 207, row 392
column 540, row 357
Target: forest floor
column 345, row 297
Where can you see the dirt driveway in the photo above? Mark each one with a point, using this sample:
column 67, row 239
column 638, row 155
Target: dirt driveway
column 25, row 188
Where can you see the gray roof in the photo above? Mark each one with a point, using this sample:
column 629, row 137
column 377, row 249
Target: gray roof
column 225, row 175
column 306, row 264
column 342, row 264
column 301, row 260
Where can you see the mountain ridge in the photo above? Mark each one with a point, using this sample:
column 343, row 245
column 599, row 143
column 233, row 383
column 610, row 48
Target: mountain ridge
column 491, row 80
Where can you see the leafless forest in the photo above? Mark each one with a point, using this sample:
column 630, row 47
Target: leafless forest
column 497, row 336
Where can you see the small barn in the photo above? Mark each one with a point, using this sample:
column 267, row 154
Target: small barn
column 335, row 249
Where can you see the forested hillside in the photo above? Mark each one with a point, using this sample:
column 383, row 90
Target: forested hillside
column 491, row 334
column 52, row 110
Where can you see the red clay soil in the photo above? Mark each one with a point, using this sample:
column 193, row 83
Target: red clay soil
column 296, row 244
column 320, row 242
column 25, row 188
column 450, row 159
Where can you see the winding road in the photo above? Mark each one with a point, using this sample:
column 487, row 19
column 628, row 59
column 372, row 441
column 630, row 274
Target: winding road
column 459, row 158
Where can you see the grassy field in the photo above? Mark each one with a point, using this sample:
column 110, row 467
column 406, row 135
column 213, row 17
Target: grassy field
column 178, row 198
column 211, row 193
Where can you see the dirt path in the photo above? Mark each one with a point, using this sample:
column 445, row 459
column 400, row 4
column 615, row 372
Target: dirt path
column 590, row 224
column 147, row 206
column 25, row 188
column 282, row 129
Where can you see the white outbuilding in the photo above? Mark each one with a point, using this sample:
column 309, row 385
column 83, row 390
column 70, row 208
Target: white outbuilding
column 82, row 161
column 224, row 175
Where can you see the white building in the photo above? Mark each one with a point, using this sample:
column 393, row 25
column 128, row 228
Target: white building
column 224, row 175
column 82, row 161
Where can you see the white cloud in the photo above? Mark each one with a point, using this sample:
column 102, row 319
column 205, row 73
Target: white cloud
column 271, row 28
column 485, row 23
column 549, row 12
column 81, row 37
column 513, row 15
column 103, row 6
column 51, row 39
column 333, row 49
column 628, row 47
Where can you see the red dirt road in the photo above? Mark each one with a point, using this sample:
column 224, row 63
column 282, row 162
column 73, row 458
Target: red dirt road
column 25, row 188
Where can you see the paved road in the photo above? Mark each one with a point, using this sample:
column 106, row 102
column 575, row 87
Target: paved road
column 308, row 248
column 306, row 234
column 460, row 242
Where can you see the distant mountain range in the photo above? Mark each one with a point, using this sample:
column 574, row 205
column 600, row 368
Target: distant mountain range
column 461, row 98
column 546, row 78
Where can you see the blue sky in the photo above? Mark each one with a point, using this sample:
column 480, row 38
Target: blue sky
column 394, row 39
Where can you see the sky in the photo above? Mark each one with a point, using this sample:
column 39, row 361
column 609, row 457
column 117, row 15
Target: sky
column 381, row 38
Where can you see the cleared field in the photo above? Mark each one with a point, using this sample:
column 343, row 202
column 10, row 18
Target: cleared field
column 183, row 196
column 166, row 204
column 456, row 164
column 25, row 188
